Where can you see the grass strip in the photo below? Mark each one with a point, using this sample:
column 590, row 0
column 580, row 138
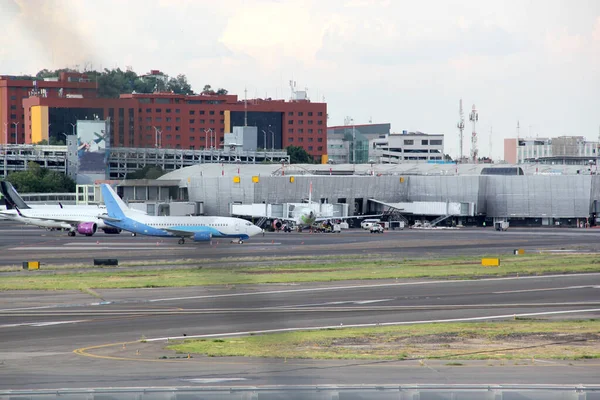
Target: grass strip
column 293, row 272
column 515, row 339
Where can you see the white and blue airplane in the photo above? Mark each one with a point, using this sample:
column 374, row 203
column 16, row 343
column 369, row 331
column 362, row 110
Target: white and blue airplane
column 200, row 229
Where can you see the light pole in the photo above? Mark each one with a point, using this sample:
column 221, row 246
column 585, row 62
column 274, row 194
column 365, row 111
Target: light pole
column 272, row 139
column 353, row 142
column 209, row 130
column 73, row 125
column 16, row 124
column 264, row 139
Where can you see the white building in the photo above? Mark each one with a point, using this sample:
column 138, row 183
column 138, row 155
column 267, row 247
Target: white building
column 409, row 147
column 569, row 150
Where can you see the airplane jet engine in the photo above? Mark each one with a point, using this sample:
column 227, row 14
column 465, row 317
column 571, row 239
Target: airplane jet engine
column 86, row 228
column 277, row 224
column 202, row 237
column 111, row 231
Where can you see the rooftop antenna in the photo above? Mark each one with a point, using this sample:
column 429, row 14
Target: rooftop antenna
column 461, row 128
column 245, row 106
column 518, row 128
column 474, row 117
column 293, row 88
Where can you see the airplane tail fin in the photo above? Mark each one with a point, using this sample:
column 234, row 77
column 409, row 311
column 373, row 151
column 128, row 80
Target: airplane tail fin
column 13, row 200
column 115, row 207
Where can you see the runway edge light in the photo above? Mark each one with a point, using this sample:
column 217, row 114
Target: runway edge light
column 490, row 262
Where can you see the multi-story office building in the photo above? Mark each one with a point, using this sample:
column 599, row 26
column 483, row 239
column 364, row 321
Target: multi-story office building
column 569, row 150
column 173, row 121
column 13, row 91
column 355, row 143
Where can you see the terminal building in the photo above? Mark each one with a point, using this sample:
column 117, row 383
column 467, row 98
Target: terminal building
column 467, row 194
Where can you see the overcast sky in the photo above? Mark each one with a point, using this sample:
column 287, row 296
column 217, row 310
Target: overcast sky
column 403, row 62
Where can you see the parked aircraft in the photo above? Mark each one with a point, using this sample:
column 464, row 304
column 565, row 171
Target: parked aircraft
column 75, row 219
column 199, row 228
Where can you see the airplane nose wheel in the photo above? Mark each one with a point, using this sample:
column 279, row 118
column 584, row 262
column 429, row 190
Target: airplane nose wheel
column 240, row 241
column 133, row 234
column 181, row 241
column 71, row 233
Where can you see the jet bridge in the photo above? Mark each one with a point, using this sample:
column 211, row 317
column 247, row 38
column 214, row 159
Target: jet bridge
column 285, row 210
column 441, row 210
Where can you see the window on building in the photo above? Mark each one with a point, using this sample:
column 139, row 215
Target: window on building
column 436, row 142
column 310, row 121
column 168, row 128
column 290, row 140
column 192, row 121
column 168, row 110
column 202, row 121
column 300, row 130
column 13, row 97
column 177, row 137
column 192, row 129
column 319, row 122
column 13, row 116
column 201, row 112
column 291, row 122
column 13, row 107
column 177, row 119
column 300, row 114
column 290, row 130
column 320, row 131
column 320, row 139
column 158, row 119
column 310, row 130
column 169, row 137
column 301, row 139
column 221, row 112
column 148, row 119
column 177, row 111
column 300, row 122
column 320, row 113
column 177, row 128
column 425, row 142
column 310, row 148
column 290, row 113
column 211, row 112
column 310, row 139
column 409, row 142
column 320, row 148
column 192, row 138
column 148, row 110
column 158, row 110
column 192, row 112
column 168, row 119
column 310, row 113
column 211, row 121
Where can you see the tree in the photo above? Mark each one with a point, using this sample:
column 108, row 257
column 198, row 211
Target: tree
column 41, row 180
column 148, row 172
column 447, row 157
column 298, row 155
column 180, row 85
column 208, row 90
column 222, row 91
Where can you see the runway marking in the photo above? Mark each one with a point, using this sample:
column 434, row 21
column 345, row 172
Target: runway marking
column 322, row 289
column 91, row 247
column 41, row 324
column 547, row 289
column 213, row 380
column 331, row 303
column 370, row 325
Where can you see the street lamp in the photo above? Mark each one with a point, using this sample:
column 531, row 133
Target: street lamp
column 264, row 139
column 73, row 125
column 272, row 139
column 211, row 137
column 16, row 124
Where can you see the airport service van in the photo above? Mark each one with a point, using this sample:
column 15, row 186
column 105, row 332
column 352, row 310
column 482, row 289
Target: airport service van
column 366, row 223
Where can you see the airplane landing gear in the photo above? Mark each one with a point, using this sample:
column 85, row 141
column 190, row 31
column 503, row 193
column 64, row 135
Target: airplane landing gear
column 181, row 241
column 240, row 241
column 133, row 234
column 71, row 233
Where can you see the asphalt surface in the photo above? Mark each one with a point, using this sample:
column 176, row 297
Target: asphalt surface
column 71, row 339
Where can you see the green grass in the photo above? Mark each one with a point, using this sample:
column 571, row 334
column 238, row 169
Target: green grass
column 288, row 271
column 451, row 341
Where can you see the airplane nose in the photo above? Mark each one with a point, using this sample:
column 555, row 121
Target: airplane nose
column 255, row 230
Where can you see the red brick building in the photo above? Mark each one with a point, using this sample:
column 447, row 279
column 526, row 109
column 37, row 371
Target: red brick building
column 184, row 121
column 13, row 91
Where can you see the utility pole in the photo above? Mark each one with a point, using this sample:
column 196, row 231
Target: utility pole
column 264, row 139
column 157, row 137
column 16, row 124
column 474, row 117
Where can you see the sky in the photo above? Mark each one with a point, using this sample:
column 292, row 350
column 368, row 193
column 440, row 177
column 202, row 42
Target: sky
column 536, row 62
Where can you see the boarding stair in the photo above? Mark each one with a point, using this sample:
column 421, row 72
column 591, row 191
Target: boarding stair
column 439, row 219
column 261, row 221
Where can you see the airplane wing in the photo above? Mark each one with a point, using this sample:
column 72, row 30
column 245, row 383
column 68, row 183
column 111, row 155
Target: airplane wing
column 185, row 231
column 63, row 218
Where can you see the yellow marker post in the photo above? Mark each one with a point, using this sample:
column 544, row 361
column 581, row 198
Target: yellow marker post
column 490, row 262
column 31, row 265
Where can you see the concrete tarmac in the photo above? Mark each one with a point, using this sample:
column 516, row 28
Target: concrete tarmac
column 39, row 332
column 24, row 243
column 71, row 339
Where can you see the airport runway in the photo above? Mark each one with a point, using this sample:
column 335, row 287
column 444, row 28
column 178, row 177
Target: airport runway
column 40, row 331
column 24, row 243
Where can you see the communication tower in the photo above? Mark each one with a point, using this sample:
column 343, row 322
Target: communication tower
column 461, row 128
column 474, row 117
